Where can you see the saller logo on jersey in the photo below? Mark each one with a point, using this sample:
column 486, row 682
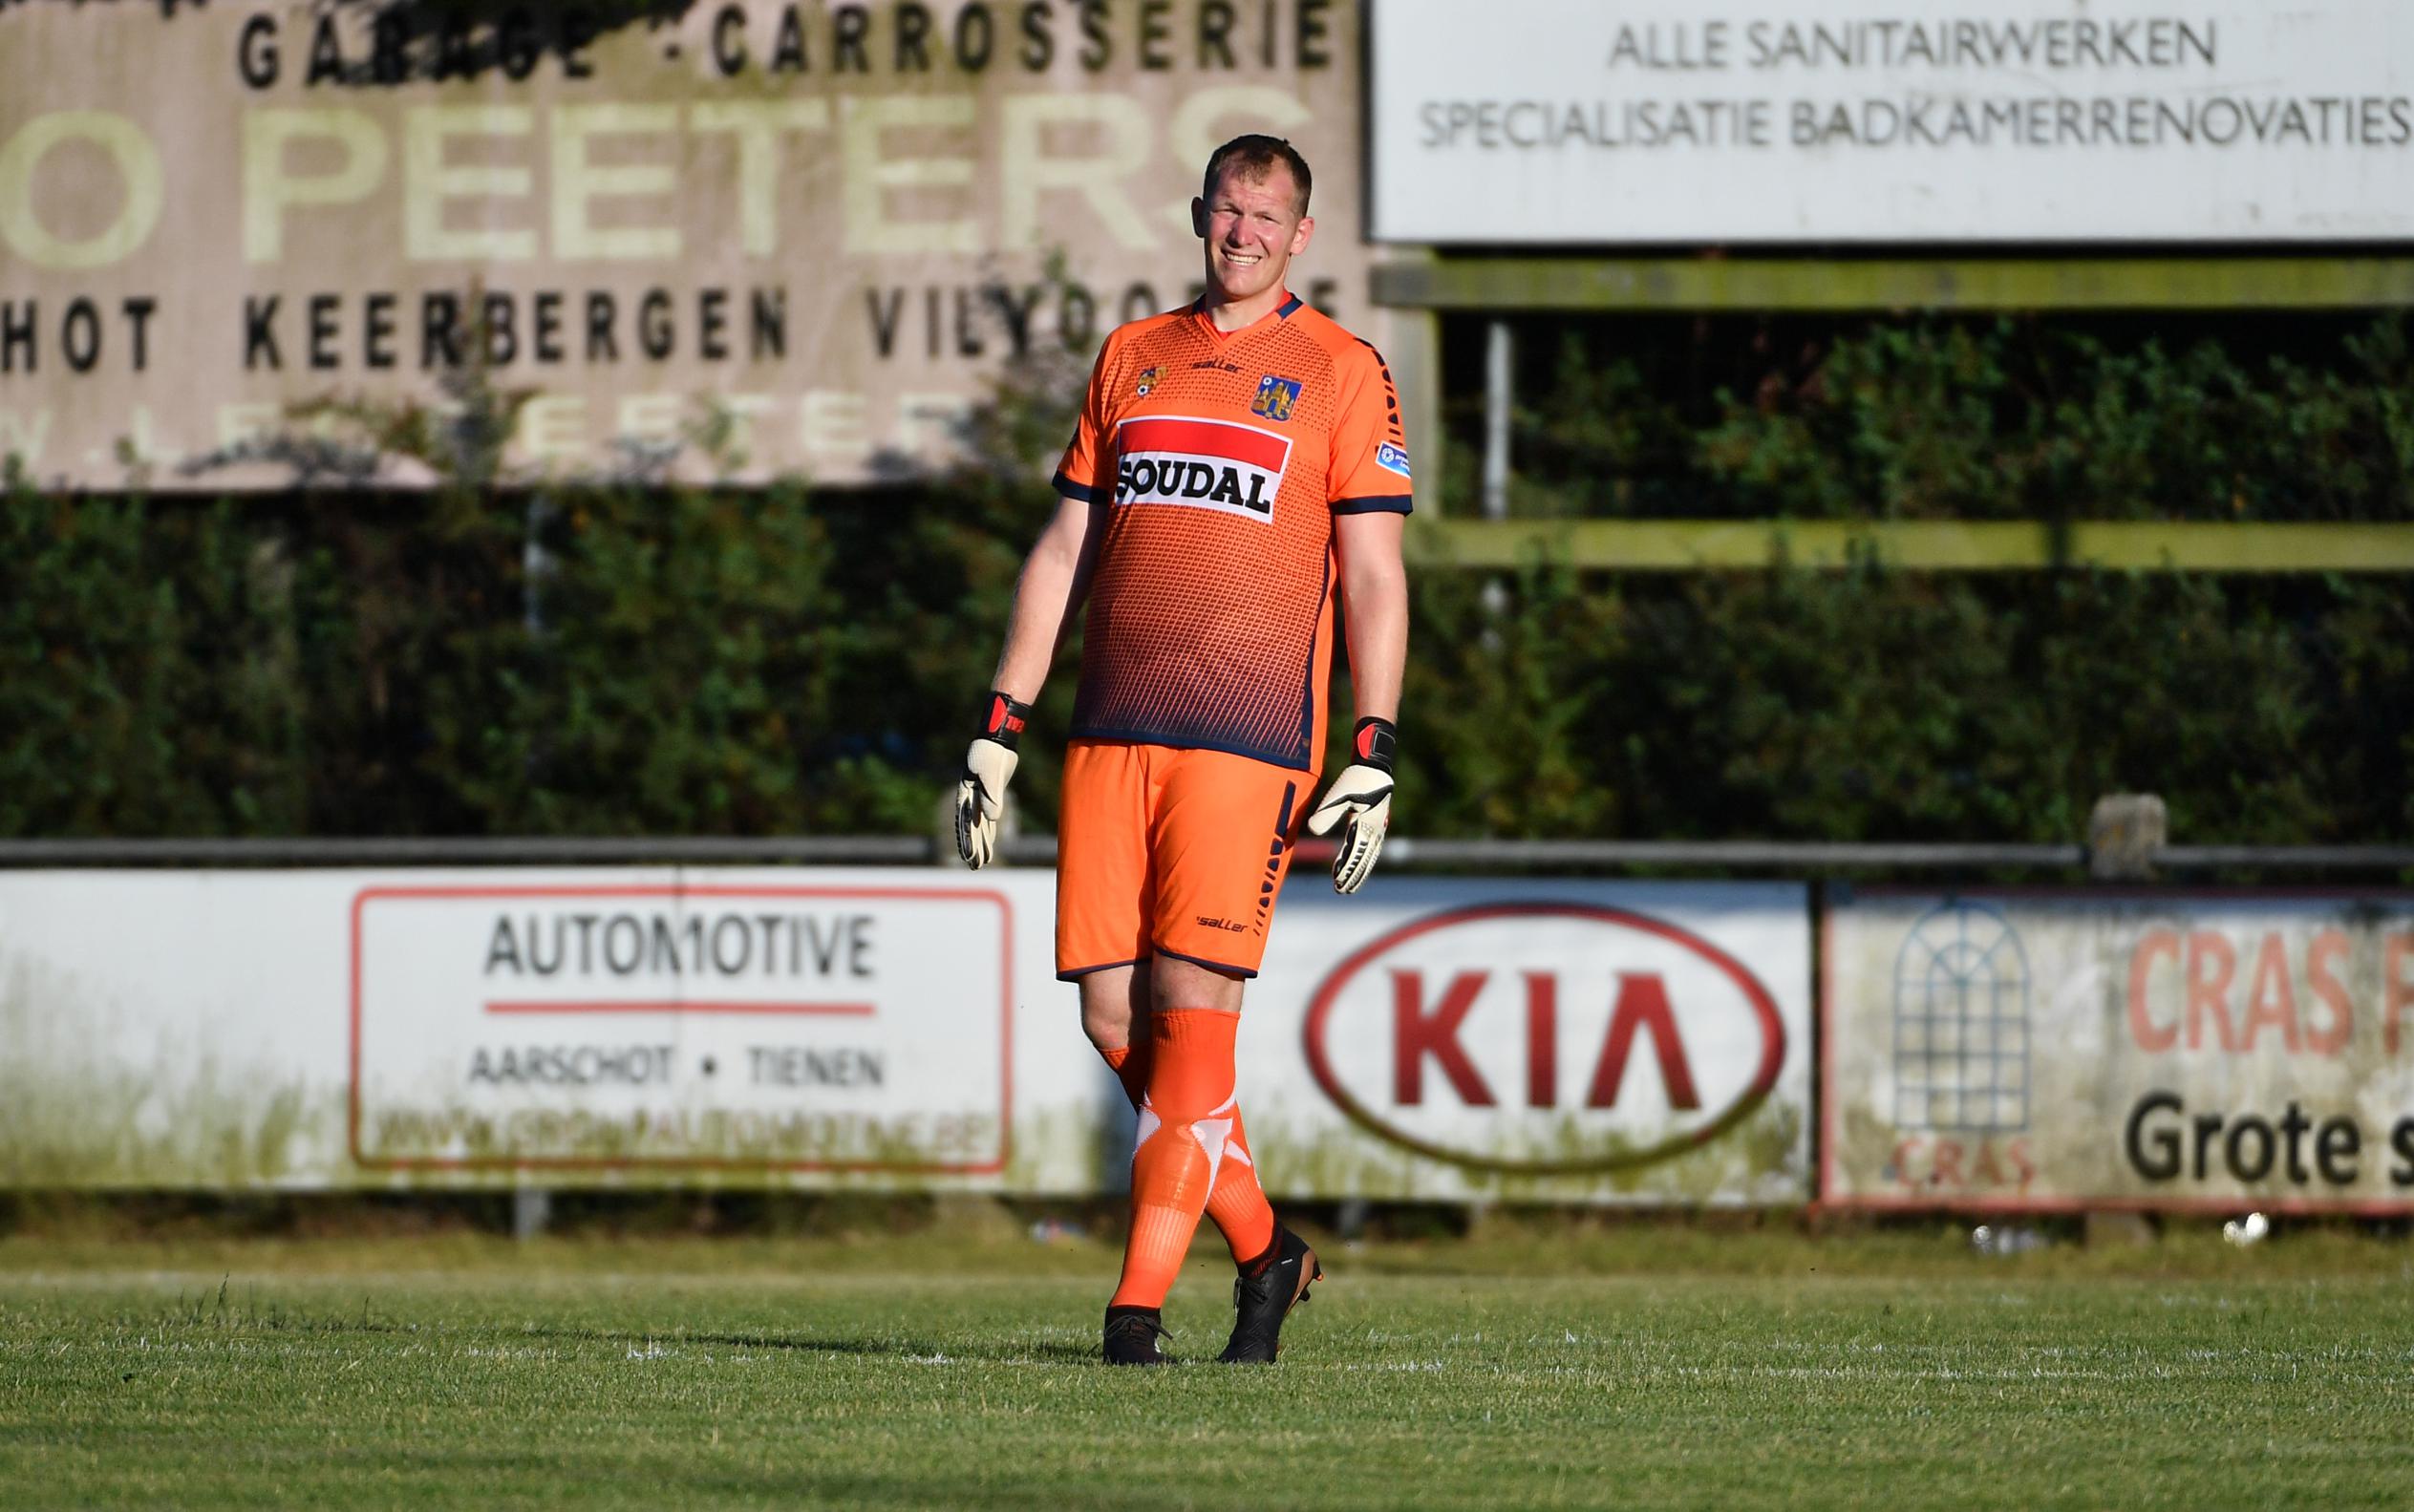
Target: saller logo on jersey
column 1203, row 464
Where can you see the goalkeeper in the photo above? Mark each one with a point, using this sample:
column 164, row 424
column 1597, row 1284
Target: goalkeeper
column 1238, row 463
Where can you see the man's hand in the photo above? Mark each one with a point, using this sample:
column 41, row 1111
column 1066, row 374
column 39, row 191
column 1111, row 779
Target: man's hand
column 989, row 765
column 1358, row 803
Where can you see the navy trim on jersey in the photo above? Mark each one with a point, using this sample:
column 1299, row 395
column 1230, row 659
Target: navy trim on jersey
column 1080, row 972
column 1308, row 688
column 1220, row 968
column 1290, row 307
column 1375, row 504
column 1158, row 738
column 1087, row 493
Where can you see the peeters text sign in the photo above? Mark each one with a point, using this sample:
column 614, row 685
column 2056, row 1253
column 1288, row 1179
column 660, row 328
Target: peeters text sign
column 746, row 240
column 2170, row 1050
column 1951, row 120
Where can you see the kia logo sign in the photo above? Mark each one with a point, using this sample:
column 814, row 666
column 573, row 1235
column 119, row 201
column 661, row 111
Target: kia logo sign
column 1544, row 1038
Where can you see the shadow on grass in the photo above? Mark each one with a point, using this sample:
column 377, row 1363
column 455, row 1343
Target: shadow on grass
column 1048, row 1353
column 864, row 1489
column 861, row 1346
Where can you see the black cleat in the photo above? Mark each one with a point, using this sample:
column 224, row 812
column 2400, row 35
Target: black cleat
column 1261, row 1301
column 1132, row 1334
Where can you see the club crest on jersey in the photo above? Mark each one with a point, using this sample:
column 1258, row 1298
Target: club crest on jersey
column 1393, row 457
column 1274, row 398
column 1148, row 377
column 1221, row 466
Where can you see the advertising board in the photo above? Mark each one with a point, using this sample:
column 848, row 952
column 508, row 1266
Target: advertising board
column 879, row 1029
column 2167, row 1050
column 1527, row 1041
column 1609, row 122
column 337, row 1029
column 694, row 1024
column 246, row 244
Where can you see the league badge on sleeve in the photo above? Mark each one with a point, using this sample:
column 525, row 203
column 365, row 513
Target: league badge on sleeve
column 1393, row 457
column 1274, row 398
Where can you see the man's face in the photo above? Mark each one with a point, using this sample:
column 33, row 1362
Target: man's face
column 1253, row 228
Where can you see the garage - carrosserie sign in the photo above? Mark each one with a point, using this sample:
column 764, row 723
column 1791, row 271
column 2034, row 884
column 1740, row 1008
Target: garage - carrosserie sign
column 240, row 241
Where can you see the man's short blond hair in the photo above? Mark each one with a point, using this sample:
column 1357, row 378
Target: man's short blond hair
column 1253, row 157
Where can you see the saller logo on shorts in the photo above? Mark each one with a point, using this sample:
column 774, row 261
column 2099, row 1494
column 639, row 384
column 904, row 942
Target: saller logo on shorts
column 1205, row 464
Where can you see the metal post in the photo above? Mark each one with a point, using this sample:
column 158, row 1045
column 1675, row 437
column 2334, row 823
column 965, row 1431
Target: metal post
column 536, row 565
column 1499, row 395
column 1350, row 1221
column 2124, row 835
column 531, row 1209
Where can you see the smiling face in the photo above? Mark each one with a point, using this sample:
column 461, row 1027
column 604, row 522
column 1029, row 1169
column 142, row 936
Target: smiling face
column 1253, row 228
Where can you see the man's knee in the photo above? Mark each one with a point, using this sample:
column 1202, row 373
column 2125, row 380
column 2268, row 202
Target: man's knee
column 1174, row 983
column 1109, row 999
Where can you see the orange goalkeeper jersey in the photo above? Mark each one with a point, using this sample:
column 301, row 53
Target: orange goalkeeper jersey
column 1225, row 457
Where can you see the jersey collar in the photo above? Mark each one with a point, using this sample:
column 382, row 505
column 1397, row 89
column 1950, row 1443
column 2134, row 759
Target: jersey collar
column 1290, row 306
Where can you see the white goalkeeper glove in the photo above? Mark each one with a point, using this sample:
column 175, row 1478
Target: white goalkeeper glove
column 989, row 765
column 1358, row 803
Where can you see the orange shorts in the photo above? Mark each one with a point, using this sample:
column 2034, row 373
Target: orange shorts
column 1165, row 851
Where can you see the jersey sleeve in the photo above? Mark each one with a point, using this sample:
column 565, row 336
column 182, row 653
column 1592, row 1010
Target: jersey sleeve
column 1078, row 476
column 1369, row 471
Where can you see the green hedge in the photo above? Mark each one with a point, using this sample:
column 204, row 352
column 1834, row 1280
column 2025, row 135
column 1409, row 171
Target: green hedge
column 780, row 662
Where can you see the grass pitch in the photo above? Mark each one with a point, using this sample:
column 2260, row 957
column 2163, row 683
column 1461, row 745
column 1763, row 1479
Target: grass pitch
column 1653, row 1367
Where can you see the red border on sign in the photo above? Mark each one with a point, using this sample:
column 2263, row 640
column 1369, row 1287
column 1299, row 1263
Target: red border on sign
column 1005, row 1027
column 692, row 1006
column 1756, row 995
column 2285, row 1206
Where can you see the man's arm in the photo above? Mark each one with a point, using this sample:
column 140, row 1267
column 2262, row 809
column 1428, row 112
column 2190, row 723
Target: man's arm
column 1056, row 577
column 1374, row 609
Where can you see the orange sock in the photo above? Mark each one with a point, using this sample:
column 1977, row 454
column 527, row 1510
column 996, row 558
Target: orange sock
column 1185, row 1126
column 1237, row 1204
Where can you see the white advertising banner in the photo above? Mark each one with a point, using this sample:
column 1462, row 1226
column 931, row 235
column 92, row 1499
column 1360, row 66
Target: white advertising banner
column 2067, row 1051
column 886, row 1029
column 1808, row 121
column 702, row 1023
column 1605, row 1042
column 314, row 1028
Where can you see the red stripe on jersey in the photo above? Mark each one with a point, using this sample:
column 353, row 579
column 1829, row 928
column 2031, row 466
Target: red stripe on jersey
column 1240, row 443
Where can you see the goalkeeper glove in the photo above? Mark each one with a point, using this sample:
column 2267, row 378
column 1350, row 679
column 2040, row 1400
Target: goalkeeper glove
column 989, row 765
column 1358, row 803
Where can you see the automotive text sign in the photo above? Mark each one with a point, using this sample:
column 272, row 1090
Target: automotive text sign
column 693, row 1025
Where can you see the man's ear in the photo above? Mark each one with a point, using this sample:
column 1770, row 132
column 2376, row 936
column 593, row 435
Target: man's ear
column 1198, row 218
column 1299, row 238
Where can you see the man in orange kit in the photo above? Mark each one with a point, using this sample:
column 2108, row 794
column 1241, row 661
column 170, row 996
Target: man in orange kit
column 1237, row 462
